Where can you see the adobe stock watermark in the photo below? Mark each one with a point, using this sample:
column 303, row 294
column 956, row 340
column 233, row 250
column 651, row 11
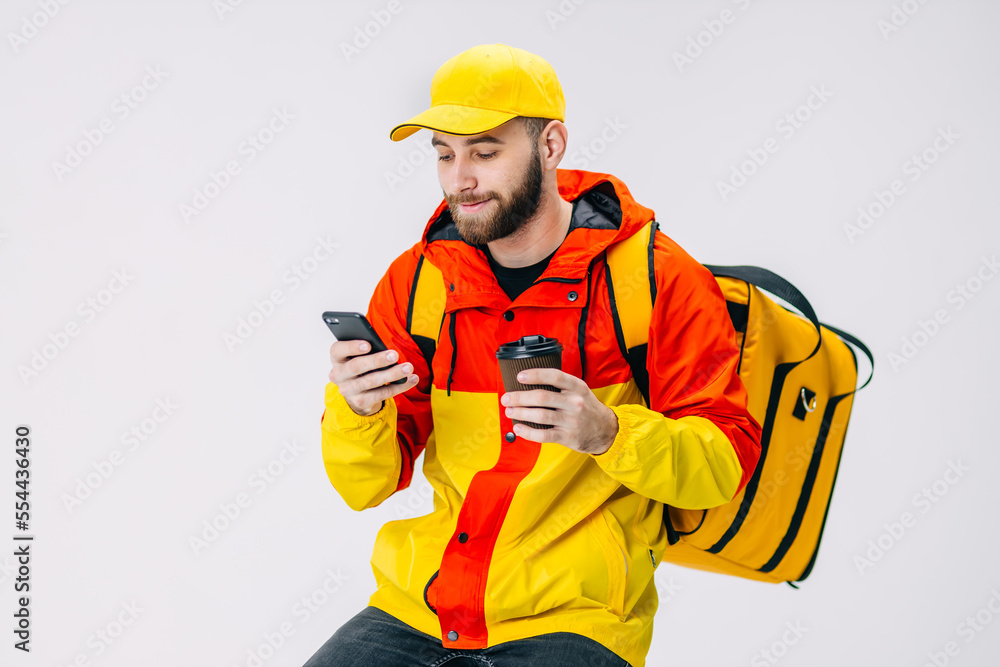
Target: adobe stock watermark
column 407, row 164
column 303, row 610
column 8, row 568
column 562, row 12
column 963, row 293
column 363, row 35
column 914, row 167
column 230, row 510
column 31, row 25
column 575, row 509
column 698, row 43
column 968, row 629
column 88, row 310
column 899, row 16
column 132, row 439
column 106, row 636
column 795, row 460
column 772, row 655
column 585, row 155
column 248, row 150
column 296, row 275
column 923, row 501
column 121, row 108
column 415, row 500
column 666, row 592
column 787, row 126
column 225, row 7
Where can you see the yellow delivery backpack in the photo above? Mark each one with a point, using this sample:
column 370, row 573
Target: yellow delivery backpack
column 800, row 376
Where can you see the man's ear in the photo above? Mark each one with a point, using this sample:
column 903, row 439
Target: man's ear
column 552, row 144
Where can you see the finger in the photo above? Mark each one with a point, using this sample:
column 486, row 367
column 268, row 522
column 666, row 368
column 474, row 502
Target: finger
column 373, row 397
column 537, row 434
column 377, row 394
column 342, row 350
column 537, row 397
column 550, row 376
column 347, row 364
column 389, row 390
column 534, row 415
column 369, row 362
column 376, row 379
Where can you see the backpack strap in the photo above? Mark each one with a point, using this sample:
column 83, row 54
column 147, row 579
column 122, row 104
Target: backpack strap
column 631, row 282
column 770, row 281
column 425, row 310
column 861, row 346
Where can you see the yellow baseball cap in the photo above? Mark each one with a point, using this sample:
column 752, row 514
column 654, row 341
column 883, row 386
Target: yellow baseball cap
column 486, row 86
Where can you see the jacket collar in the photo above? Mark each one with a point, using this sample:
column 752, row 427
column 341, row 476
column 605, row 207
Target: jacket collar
column 604, row 212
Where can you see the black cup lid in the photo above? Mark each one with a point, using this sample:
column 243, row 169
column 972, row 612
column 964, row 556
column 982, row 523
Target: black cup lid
column 528, row 347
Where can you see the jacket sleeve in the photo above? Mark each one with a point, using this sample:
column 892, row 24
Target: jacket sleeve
column 698, row 445
column 368, row 458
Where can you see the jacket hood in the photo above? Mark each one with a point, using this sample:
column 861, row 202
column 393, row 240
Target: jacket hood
column 604, row 212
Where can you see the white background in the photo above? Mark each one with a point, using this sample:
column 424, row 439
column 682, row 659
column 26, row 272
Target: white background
column 63, row 235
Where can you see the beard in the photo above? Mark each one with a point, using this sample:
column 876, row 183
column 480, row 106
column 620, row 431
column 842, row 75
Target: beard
column 509, row 213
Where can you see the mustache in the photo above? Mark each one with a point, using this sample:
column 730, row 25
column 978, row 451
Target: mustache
column 467, row 199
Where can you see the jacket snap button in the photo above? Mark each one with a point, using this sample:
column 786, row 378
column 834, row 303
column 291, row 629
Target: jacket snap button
column 508, row 315
column 509, row 436
column 571, row 296
column 463, row 537
column 453, row 636
column 451, row 287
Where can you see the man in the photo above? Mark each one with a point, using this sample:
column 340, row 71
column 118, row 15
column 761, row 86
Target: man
column 542, row 544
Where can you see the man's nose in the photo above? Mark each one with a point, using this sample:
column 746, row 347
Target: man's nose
column 460, row 176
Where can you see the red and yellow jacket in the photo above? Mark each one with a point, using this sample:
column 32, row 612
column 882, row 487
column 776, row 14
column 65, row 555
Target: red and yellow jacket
column 528, row 538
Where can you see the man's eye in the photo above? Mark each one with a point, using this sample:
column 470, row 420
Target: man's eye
column 484, row 156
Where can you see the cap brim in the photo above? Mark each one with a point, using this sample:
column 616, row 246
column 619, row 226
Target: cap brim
column 452, row 119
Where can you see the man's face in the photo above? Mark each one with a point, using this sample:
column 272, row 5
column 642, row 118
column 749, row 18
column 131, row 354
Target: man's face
column 499, row 171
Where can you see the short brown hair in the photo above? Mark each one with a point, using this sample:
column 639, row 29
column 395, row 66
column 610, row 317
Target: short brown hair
column 533, row 126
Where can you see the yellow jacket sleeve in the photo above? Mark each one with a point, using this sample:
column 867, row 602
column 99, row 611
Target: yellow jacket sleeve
column 360, row 453
column 687, row 462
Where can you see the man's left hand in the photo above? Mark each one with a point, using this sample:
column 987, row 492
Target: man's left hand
column 579, row 420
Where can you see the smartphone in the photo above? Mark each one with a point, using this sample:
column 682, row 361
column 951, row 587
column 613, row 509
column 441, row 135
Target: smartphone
column 354, row 326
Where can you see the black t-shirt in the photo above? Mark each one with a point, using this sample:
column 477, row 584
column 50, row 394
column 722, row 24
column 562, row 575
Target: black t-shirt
column 515, row 281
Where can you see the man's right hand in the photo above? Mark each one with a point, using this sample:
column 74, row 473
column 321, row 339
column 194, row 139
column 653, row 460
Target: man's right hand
column 365, row 393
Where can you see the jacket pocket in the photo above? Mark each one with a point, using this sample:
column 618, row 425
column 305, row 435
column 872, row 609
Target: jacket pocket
column 616, row 559
column 650, row 530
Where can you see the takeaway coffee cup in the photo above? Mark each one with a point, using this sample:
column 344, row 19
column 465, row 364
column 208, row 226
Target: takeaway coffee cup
column 528, row 352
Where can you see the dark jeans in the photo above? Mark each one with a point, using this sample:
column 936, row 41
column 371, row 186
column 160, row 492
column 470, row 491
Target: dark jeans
column 374, row 637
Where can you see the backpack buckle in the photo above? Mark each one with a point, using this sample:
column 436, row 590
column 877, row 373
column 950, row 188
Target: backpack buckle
column 805, row 404
column 809, row 405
